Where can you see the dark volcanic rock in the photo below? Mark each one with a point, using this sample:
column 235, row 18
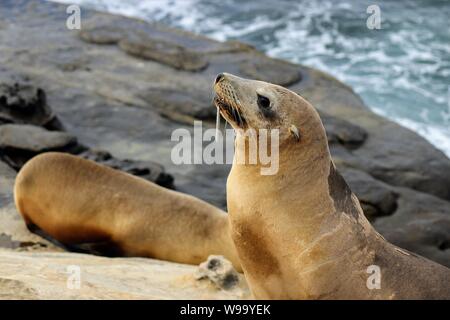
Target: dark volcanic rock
column 275, row 71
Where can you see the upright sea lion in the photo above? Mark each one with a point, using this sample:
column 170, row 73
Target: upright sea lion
column 77, row 201
column 301, row 233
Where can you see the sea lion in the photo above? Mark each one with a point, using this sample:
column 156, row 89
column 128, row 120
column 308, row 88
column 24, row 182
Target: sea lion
column 78, row 201
column 301, row 233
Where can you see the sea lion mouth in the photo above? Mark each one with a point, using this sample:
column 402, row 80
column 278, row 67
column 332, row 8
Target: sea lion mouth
column 230, row 111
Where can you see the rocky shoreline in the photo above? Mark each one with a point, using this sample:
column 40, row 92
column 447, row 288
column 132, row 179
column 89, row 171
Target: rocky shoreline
column 115, row 91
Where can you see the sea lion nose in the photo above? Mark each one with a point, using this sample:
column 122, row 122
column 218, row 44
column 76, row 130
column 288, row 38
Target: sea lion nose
column 219, row 77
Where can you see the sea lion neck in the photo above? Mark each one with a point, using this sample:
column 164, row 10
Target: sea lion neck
column 300, row 164
column 301, row 180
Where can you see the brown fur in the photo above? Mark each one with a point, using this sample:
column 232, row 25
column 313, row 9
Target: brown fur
column 78, row 201
column 301, row 233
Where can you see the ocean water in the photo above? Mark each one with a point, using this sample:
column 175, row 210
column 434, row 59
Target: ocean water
column 402, row 71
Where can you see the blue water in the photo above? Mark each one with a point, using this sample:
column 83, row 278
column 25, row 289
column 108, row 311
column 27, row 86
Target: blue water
column 402, row 71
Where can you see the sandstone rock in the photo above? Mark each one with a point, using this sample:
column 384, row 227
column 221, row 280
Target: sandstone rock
column 13, row 232
column 420, row 224
column 391, row 153
column 377, row 199
column 170, row 101
column 11, row 289
column 164, row 52
column 219, row 271
column 7, row 176
column 47, row 277
column 280, row 72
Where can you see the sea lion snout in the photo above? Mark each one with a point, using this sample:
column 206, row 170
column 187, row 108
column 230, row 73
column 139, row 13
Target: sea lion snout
column 244, row 103
column 228, row 99
column 223, row 75
column 258, row 105
column 219, row 77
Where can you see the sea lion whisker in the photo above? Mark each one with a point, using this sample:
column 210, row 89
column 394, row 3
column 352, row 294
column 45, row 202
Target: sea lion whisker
column 217, row 124
column 238, row 115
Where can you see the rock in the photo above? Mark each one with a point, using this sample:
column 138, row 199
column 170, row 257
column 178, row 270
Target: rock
column 343, row 132
column 23, row 103
column 7, row 241
column 102, row 34
column 377, row 198
column 20, row 142
column 15, row 236
column 219, row 271
column 48, row 275
column 164, row 52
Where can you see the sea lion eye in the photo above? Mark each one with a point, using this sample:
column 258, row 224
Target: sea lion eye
column 263, row 102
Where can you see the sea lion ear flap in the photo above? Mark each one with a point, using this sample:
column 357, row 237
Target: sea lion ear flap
column 294, row 131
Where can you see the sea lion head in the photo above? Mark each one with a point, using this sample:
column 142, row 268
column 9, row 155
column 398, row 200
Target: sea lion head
column 251, row 104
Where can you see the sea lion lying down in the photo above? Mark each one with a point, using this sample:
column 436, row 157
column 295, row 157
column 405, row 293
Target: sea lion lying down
column 78, row 201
